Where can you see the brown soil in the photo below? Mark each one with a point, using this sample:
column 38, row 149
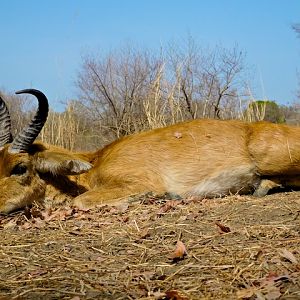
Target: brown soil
column 231, row 248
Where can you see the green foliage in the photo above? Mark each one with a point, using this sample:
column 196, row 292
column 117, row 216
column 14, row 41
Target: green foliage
column 268, row 110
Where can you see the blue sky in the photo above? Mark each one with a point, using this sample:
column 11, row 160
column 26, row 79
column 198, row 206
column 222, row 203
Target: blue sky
column 42, row 41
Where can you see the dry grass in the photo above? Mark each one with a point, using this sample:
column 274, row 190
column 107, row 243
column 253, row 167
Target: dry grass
column 237, row 247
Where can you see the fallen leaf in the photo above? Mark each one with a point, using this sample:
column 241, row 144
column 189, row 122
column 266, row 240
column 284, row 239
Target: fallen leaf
column 288, row 255
column 125, row 219
column 25, row 226
column 180, row 252
column 272, row 278
column 58, row 214
column 175, row 295
column 223, row 228
column 38, row 223
column 168, row 206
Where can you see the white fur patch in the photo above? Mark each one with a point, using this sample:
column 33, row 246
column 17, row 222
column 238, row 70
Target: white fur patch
column 234, row 180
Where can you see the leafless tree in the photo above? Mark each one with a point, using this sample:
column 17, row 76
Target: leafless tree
column 130, row 90
column 20, row 110
column 210, row 79
column 115, row 90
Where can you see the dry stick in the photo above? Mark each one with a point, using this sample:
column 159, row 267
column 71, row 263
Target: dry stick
column 241, row 271
column 47, row 289
column 178, row 271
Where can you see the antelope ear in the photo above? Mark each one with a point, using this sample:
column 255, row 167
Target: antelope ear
column 59, row 163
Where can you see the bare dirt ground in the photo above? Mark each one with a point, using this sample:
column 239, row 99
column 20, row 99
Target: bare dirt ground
column 231, row 248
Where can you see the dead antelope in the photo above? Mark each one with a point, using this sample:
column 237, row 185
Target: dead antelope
column 201, row 158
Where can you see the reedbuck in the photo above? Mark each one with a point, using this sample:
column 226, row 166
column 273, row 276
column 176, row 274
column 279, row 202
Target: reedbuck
column 200, row 158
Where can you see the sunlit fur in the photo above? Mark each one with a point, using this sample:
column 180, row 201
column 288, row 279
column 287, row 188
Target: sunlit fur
column 45, row 176
column 200, row 158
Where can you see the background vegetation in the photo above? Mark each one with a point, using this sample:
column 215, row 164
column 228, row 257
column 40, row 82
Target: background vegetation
column 131, row 90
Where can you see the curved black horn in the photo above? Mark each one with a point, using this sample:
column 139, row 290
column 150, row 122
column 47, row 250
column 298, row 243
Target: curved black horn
column 27, row 136
column 5, row 127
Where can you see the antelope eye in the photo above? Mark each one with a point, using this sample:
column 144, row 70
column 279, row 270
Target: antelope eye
column 19, row 170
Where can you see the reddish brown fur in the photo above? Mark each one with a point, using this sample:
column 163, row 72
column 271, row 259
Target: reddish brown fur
column 204, row 158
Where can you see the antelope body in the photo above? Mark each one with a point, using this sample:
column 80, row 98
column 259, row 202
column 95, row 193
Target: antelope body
column 200, row 158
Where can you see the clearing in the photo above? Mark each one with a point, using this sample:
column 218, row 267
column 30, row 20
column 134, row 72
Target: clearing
column 239, row 247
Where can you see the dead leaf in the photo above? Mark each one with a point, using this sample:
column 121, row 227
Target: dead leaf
column 125, row 219
column 288, row 255
column 180, row 252
column 170, row 204
column 58, row 214
column 272, row 278
column 38, row 223
column 223, row 228
column 25, row 226
column 175, row 295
